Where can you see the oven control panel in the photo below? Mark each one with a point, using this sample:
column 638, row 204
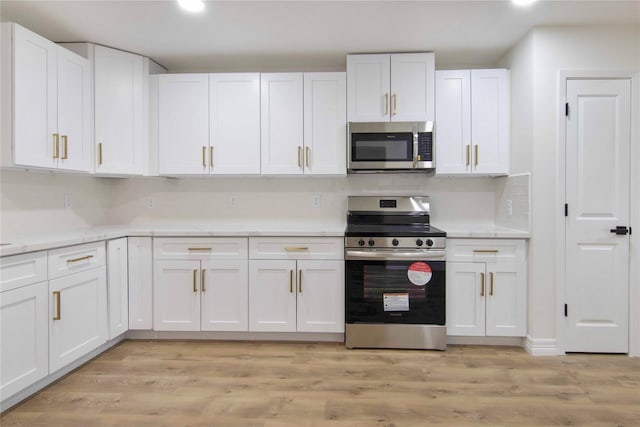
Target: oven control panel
column 396, row 242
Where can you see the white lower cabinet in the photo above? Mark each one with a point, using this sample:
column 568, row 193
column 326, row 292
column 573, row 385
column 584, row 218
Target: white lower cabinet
column 140, row 269
column 24, row 338
column 78, row 316
column 118, row 286
column 290, row 294
column 206, row 291
column 486, row 287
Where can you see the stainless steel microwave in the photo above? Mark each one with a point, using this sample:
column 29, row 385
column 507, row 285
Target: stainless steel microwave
column 390, row 147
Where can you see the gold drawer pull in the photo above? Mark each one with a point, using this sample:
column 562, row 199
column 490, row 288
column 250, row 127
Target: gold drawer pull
column 299, row 157
column 204, row 153
column 395, row 104
column 199, row 249
column 56, row 297
column 491, row 283
column 65, row 149
column 290, row 281
column 211, row 156
column 300, row 281
column 386, row 104
column 307, row 152
column 482, row 286
column 82, row 258
column 99, row 153
column 485, row 251
column 468, row 153
column 296, row 248
column 476, row 155
column 202, row 286
column 56, row 146
column 195, row 274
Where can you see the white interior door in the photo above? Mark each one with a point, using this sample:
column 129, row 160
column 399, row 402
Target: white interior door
column 597, row 189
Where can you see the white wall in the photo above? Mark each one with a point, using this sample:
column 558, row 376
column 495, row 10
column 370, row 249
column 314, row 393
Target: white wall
column 543, row 54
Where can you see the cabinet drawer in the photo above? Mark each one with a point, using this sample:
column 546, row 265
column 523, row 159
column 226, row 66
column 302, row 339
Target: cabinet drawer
column 195, row 248
column 21, row 270
column 74, row 259
column 486, row 250
column 296, row 248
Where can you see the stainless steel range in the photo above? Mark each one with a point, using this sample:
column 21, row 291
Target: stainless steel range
column 395, row 274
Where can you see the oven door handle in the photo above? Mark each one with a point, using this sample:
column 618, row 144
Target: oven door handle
column 399, row 255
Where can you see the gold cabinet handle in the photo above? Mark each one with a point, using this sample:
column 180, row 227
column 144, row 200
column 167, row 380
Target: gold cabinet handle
column 290, row 281
column 100, row 154
column 199, row 249
column 211, row 156
column 202, row 286
column 299, row 157
column 300, row 281
column 485, row 251
column 468, row 153
column 82, row 258
column 56, row 297
column 491, row 283
column 56, row 145
column 195, row 273
column 307, row 155
column 65, row 149
column 476, row 156
column 204, row 154
column 296, row 248
column 395, row 104
column 482, row 285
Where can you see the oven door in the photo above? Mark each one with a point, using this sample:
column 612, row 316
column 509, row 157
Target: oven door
column 391, row 287
column 382, row 150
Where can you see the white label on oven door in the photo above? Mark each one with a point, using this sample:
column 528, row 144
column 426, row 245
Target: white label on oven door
column 396, row 301
column 419, row 273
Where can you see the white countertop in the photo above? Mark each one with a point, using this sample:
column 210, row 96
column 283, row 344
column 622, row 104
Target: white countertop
column 44, row 241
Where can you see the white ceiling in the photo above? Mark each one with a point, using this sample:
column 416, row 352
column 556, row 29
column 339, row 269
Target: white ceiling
column 242, row 35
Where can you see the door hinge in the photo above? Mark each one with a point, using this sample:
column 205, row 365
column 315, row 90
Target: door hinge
column 566, row 109
column 565, row 310
column 566, row 209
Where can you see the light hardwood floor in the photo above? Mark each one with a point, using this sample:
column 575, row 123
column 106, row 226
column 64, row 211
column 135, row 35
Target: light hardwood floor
column 172, row 383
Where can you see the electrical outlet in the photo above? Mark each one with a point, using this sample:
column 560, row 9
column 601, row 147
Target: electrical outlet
column 68, row 200
column 151, row 202
column 233, row 201
column 509, row 208
column 316, row 201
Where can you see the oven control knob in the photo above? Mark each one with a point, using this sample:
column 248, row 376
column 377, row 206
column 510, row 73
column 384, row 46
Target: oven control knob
column 419, row 242
column 361, row 242
column 371, row 242
column 395, row 242
column 429, row 242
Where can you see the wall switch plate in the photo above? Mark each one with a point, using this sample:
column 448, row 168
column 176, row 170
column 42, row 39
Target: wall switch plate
column 233, row 201
column 151, row 202
column 68, row 200
column 316, row 201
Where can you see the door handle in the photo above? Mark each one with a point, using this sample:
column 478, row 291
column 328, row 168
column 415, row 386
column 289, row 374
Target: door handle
column 621, row 230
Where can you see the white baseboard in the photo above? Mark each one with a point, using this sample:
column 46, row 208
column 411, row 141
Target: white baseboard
column 236, row 336
column 499, row 341
column 541, row 346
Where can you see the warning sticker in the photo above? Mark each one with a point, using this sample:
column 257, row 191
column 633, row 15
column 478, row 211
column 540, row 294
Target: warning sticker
column 396, row 301
column 419, row 273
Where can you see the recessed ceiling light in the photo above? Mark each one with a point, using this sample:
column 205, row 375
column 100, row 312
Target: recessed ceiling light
column 523, row 2
column 192, row 5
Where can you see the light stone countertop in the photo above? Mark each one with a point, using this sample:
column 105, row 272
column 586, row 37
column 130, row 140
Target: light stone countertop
column 45, row 241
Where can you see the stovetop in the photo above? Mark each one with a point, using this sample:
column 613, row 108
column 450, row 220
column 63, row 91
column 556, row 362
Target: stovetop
column 393, row 230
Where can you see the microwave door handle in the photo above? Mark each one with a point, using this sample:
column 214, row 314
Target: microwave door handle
column 415, row 150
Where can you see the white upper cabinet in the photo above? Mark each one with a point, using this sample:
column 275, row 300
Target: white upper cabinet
column 390, row 87
column 282, row 123
column 472, row 123
column 120, row 122
column 46, row 103
column 183, row 124
column 234, row 121
column 325, row 127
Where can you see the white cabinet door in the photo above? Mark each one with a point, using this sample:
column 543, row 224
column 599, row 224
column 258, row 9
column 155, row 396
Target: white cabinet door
column 78, row 313
column 24, row 338
column 412, row 81
column 225, row 293
column 325, row 127
column 368, row 95
column 490, row 121
column 272, row 295
column 234, row 101
column 466, row 298
column 140, row 283
column 119, row 112
column 74, row 109
column 35, row 99
column 176, row 296
column 282, row 137
column 117, row 286
column 506, row 300
column 453, row 122
column 183, row 128
column 320, row 305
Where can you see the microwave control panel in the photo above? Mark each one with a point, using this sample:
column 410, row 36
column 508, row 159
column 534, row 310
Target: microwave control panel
column 425, row 146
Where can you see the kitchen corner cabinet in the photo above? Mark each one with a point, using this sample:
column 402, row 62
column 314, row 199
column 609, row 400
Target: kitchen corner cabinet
column 390, row 87
column 77, row 302
column 46, row 103
column 472, row 122
column 200, row 284
column 117, row 286
column 296, row 285
column 24, row 338
column 486, row 287
column 140, row 270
